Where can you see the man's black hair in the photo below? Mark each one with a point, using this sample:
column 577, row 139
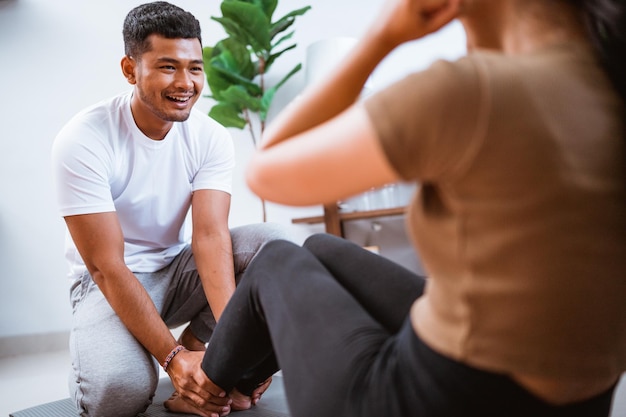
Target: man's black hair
column 161, row 18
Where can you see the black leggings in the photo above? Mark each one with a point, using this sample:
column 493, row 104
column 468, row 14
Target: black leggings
column 334, row 318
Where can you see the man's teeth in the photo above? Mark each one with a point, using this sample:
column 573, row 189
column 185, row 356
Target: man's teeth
column 179, row 99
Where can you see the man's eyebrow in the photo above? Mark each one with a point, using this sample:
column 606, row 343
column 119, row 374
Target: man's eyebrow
column 177, row 61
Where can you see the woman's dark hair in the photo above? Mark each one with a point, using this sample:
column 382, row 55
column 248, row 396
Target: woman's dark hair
column 606, row 23
column 161, row 18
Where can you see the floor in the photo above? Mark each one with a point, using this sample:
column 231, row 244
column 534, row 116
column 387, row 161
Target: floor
column 29, row 380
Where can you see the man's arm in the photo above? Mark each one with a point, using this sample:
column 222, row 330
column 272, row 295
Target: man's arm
column 212, row 247
column 212, row 250
column 100, row 242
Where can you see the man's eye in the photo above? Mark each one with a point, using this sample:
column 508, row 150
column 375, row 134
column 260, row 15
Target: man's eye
column 168, row 67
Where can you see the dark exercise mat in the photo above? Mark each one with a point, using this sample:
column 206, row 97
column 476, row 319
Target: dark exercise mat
column 273, row 404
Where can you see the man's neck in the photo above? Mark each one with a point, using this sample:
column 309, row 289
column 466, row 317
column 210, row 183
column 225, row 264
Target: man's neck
column 150, row 125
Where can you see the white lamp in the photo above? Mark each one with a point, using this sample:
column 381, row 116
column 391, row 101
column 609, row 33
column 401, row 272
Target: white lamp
column 325, row 55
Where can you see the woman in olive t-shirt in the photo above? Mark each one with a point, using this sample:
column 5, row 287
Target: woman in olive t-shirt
column 520, row 152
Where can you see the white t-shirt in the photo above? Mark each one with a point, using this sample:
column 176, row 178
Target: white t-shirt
column 102, row 162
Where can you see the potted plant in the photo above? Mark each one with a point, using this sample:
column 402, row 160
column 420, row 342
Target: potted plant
column 236, row 66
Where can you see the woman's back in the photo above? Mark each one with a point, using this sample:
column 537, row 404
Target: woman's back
column 520, row 219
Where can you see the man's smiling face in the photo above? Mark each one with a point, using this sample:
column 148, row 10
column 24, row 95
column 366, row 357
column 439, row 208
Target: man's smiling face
column 168, row 81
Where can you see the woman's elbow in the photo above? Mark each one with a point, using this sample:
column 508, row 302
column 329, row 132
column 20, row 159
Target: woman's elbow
column 274, row 181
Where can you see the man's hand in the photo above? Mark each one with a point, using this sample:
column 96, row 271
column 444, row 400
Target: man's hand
column 196, row 392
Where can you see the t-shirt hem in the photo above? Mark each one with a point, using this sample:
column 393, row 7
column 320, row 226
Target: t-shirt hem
column 86, row 210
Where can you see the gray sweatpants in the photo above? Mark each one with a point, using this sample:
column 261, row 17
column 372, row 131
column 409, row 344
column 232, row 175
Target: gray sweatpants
column 112, row 374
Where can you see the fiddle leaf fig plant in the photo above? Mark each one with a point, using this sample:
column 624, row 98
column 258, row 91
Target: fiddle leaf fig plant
column 236, row 66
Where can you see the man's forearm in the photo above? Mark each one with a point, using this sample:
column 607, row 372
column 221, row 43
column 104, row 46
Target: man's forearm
column 136, row 310
column 100, row 242
column 214, row 259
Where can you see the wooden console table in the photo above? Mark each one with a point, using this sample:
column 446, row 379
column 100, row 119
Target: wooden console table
column 333, row 218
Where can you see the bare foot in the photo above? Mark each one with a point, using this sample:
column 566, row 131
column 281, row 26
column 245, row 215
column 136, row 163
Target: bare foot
column 258, row 392
column 190, row 341
column 176, row 404
column 244, row 402
column 240, row 401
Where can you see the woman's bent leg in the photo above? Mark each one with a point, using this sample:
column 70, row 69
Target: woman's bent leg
column 337, row 360
column 186, row 301
column 384, row 288
column 288, row 303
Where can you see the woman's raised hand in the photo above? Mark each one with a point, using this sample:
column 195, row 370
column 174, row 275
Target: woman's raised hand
column 405, row 20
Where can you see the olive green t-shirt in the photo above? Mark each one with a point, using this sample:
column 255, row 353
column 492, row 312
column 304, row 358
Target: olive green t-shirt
column 520, row 219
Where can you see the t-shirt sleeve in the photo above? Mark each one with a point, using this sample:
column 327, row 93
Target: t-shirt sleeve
column 216, row 169
column 430, row 123
column 80, row 171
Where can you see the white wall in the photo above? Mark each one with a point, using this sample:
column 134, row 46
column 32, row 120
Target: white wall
column 60, row 56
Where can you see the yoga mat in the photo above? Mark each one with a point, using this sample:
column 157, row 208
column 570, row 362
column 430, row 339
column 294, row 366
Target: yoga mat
column 273, row 404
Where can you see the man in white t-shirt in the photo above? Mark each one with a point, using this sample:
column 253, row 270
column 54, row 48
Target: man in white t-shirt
column 127, row 171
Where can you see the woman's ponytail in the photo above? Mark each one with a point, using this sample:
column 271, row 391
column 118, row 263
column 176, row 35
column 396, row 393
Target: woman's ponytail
column 606, row 22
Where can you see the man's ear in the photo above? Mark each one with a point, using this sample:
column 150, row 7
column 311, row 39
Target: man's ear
column 128, row 68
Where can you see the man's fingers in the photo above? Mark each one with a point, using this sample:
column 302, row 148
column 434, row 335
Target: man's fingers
column 204, row 399
column 207, row 387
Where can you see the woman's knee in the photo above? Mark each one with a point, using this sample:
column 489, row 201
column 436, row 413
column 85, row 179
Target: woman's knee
column 249, row 240
column 276, row 261
column 323, row 242
column 276, row 254
column 330, row 249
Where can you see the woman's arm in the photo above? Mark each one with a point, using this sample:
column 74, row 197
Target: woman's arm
column 336, row 159
column 323, row 147
column 399, row 21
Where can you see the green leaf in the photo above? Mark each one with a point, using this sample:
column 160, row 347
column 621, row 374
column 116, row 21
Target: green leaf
column 268, row 7
column 235, row 78
column 288, row 76
column 238, row 96
column 280, row 26
column 233, row 65
column 251, row 21
column 227, row 115
column 236, row 58
column 286, row 21
column 284, row 38
column 266, row 102
column 232, row 28
column 268, row 96
column 207, row 53
column 275, row 56
column 229, row 63
column 217, row 81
